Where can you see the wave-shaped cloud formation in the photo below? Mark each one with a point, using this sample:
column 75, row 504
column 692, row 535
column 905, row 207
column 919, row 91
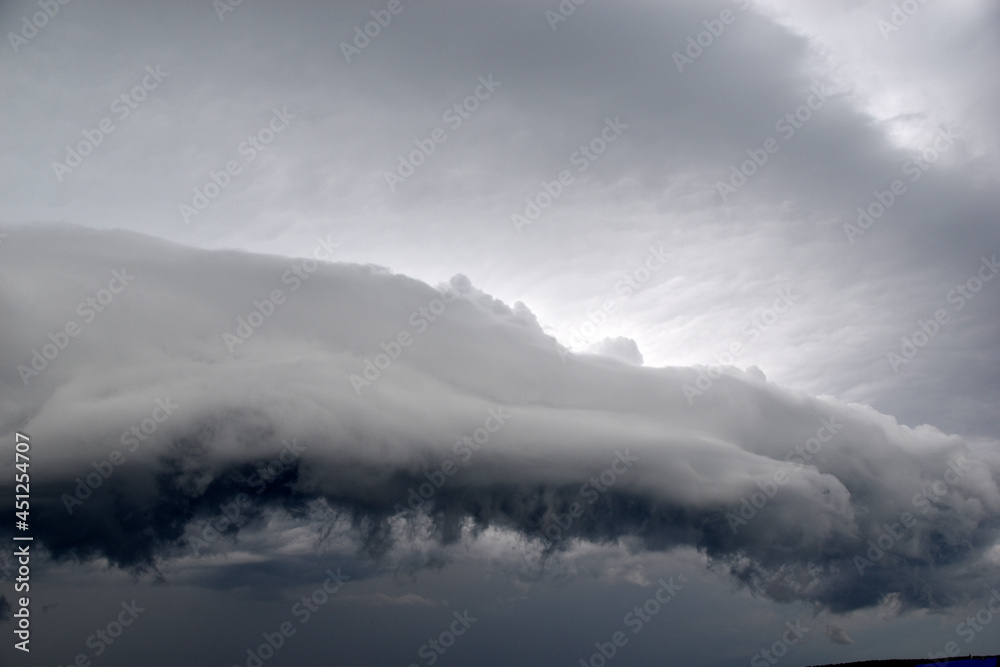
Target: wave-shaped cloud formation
column 168, row 378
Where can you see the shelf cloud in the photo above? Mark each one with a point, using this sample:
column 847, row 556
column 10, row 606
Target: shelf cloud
column 252, row 386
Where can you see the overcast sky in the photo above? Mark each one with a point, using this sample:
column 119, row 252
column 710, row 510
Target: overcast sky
column 703, row 250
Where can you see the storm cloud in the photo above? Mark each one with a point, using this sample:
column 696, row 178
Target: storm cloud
column 386, row 402
column 520, row 307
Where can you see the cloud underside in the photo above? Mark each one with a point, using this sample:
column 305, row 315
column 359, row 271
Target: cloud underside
column 479, row 421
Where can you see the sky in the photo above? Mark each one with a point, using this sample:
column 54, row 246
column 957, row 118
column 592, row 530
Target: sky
column 636, row 332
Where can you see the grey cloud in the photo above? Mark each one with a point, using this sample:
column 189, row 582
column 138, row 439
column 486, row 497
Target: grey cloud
column 621, row 348
column 837, row 634
column 783, row 491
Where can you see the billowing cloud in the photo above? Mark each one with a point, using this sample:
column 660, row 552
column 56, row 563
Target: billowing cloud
column 619, row 347
column 191, row 385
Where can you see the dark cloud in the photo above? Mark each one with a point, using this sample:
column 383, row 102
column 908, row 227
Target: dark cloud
column 205, row 422
column 797, row 498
